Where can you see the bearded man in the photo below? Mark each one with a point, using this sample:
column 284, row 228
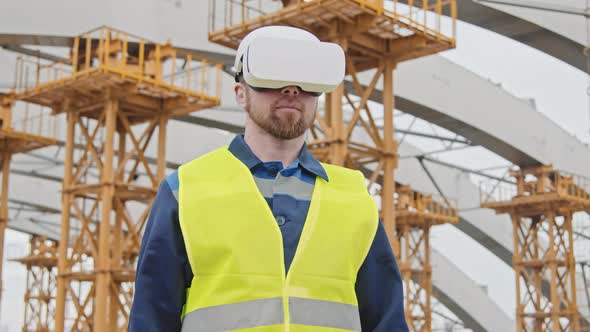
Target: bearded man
column 260, row 236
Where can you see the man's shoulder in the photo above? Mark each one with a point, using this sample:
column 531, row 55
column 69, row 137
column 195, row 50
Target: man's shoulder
column 339, row 171
column 172, row 182
column 210, row 158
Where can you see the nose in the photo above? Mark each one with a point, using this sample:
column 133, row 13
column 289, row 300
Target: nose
column 291, row 91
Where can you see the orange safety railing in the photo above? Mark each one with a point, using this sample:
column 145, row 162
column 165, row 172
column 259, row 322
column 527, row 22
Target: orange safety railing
column 573, row 186
column 441, row 206
column 35, row 120
column 426, row 203
column 566, row 185
column 130, row 56
column 492, row 191
column 31, row 73
column 427, row 16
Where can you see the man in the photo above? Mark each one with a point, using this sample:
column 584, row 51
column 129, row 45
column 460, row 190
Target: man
column 260, row 236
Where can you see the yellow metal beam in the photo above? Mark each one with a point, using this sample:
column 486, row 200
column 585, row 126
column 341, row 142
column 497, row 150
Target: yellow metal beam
column 109, row 88
column 541, row 208
column 40, row 284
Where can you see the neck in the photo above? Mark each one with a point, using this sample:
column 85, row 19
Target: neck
column 269, row 148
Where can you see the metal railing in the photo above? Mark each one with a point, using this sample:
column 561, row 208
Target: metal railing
column 573, row 186
column 35, row 120
column 441, row 206
column 32, row 72
column 491, row 191
column 426, row 203
column 426, row 16
column 567, row 185
column 130, row 56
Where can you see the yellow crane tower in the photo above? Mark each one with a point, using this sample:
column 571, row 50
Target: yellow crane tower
column 541, row 208
column 416, row 213
column 41, row 264
column 31, row 133
column 117, row 91
column 375, row 36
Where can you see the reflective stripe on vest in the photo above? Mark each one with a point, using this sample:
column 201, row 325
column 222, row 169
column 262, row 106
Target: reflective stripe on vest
column 235, row 250
column 257, row 313
column 235, row 316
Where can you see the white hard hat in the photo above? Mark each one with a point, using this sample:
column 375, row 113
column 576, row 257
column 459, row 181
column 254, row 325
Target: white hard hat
column 278, row 56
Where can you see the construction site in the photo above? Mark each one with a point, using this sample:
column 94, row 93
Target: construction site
column 470, row 120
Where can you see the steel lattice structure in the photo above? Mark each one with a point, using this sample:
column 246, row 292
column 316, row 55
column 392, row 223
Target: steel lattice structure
column 374, row 38
column 15, row 140
column 416, row 213
column 118, row 92
column 542, row 208
column 41, row 288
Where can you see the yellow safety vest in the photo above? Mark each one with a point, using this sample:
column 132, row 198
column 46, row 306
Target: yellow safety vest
column 235, row 250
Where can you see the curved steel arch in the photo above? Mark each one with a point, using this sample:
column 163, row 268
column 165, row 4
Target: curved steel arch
column 534, row 35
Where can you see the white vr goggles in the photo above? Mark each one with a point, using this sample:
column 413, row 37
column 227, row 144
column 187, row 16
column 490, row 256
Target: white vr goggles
column 272, row 63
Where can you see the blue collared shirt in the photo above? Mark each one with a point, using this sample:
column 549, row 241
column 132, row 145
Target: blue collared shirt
column 163, row 271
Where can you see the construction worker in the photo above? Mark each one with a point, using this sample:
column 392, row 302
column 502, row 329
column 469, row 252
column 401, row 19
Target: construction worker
column 260, row 236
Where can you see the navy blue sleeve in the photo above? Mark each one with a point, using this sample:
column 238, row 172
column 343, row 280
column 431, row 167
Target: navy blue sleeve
column 162, row 269
column 379, row 289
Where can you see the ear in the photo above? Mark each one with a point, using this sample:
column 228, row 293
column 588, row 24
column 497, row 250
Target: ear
column 240, row 90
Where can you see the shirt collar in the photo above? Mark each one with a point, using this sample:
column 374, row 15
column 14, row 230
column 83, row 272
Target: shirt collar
column 308, row 161
column 241, row 150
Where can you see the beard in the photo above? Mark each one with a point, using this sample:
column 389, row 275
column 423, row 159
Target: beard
column 287, row 126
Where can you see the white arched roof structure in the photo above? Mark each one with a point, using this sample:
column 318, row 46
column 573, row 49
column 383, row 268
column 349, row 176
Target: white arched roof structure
column 556, row 27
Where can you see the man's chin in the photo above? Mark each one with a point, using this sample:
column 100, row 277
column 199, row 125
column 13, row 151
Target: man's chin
column 286, row 133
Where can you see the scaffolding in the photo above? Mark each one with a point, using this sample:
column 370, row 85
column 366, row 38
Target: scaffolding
column 118, row 92
column 41, row 289
column 375, row 36
column 541, row 208
column 15, row 137
column 416, row 213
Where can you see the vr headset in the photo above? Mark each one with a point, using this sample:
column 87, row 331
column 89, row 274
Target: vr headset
column 273, row 63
